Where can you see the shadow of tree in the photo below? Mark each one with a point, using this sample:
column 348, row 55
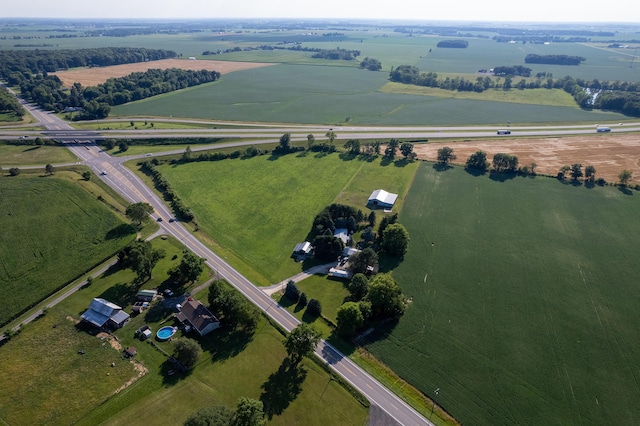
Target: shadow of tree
column 120, row 231
column 121, row 294
column 157, row 313
column 625, row 190
column 385, row 161
column 347, row 156
column 172, row 372
column 501, row 177
column 475, row 172
column 281, row 388
column 226, row 343
column 111, row 270
column 403, row 162
column 441, row 167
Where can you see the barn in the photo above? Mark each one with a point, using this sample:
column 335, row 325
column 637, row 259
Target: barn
column 382, row 199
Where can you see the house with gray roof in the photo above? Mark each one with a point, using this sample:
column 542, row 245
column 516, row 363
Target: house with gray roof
column 196, row 315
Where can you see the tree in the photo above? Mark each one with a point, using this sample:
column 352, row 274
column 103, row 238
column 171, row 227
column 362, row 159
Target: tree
column 314, row 308
column 563, row 171
column 186, row 155
column 187, row 352
column 232, row 307
column 348, row 319
column 358, row 262
column 406, row 148
column 14, row 171
column 590, row 173
column 372, row 218
column 576, row 171
column 390, row 150
column 445, row 155
column 358, row 287
column 327, row 247
column 292, row 291
column 110, row 144
column 250, row 412
column 301, row 342
column 190, row 267
column 141, row 257
column 478, row 161
column 505, row 163
column 86, row 175
column 310, row 140
column 395, row 240
column 138, row 212
column 285, row 142
column 353, row 145
column 331, row 135
column 218, row 415
column 625, row 177
column 124, row 146
column 386, row 297
column 49, row 169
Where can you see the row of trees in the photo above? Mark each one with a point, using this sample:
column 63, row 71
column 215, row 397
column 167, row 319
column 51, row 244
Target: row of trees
column 371, row 64
column 10, row 104
column 337, row 54
column 181, row 210
column 248, row 412
column 533, row 58
column 458, row 44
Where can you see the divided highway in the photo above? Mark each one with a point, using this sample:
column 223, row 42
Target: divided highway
column 114, row 173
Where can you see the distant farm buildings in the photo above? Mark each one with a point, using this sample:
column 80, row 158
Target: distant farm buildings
column 382, row 199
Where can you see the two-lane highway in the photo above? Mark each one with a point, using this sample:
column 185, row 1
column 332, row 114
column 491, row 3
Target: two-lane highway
column 124, row 181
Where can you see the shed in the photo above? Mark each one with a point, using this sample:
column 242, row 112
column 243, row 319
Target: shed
column 303, row 248
column 381, row 198
column 146, row 295
column 103, row 313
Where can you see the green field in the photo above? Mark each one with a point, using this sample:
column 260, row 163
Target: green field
column 258, row 209
column 83, row 391
column 25, row 155
column 52, row 231
column 524, row 300
column 321, row 94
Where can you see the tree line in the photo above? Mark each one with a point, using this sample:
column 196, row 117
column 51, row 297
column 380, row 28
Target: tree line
column 457, row 44
column 10, row 104
column 618, row 96
column 337, row 54
column 532, row 58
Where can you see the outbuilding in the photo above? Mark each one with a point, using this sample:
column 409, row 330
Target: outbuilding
column 102, row 313
column 382, row 199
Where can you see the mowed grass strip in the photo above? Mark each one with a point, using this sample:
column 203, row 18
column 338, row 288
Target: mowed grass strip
column 52, row 231
column 524, row 300
column 554, row 97
column 24, row 155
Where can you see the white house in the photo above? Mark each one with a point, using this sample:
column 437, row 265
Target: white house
column 382, row 198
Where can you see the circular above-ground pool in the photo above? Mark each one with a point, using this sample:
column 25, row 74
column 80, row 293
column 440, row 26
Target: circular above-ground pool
column 165, row 333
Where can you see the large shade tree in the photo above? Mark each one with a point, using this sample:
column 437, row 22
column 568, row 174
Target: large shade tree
column 301, row 342
column 138, row 212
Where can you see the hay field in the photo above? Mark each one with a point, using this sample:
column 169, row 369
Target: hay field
column 95, row 76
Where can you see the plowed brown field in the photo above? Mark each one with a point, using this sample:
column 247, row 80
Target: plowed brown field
column 609, row 154
column 95, row 76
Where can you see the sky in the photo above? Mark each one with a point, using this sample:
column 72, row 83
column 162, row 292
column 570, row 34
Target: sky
column 413, row 10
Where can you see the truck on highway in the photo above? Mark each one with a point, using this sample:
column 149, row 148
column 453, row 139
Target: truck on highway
column 603, row 129
column 504, row 132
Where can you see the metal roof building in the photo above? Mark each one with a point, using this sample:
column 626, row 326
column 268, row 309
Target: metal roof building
column 102, row 312
column 382, row 198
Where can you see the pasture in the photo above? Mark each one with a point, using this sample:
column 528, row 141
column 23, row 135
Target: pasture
column 52, row 231
column 524, row 300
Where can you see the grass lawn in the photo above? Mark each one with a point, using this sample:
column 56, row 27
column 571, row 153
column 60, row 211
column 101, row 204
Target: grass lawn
column 553, row 97
column 52, row 232
column 524, row 303
column 24, row 155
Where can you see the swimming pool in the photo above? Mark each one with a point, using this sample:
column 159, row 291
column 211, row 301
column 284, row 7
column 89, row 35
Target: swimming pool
column 165, row 333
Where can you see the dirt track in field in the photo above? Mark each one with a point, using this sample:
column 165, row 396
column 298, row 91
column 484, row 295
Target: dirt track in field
column 95, row 76
column 609, row 154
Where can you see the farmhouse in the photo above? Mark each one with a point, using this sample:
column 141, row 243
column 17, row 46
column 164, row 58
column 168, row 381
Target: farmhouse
column 102, row 313
column 343, row 234
column 194, row 314
column 382, row 198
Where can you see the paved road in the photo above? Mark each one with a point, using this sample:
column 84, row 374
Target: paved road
column 113, row 172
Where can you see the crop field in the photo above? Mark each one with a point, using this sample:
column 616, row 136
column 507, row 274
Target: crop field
column 524, row 300
column 308, row 94
column 260, row 208
column 52, row 231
